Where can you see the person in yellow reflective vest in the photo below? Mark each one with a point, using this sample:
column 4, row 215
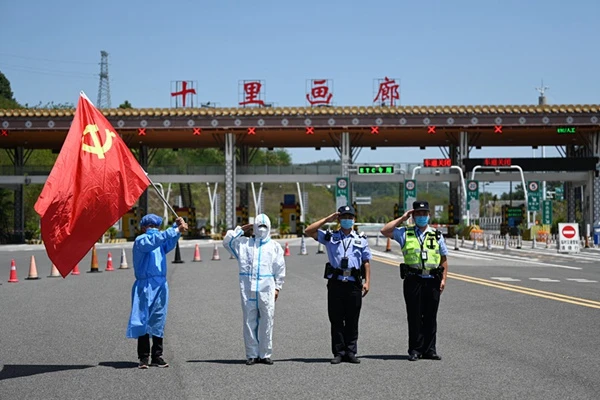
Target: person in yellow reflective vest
column 424, row 271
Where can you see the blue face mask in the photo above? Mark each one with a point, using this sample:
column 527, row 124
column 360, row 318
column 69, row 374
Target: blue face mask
column 347, row 223
column 422, row 220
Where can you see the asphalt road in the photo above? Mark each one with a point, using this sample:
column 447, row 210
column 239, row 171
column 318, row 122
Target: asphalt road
column 512, row 324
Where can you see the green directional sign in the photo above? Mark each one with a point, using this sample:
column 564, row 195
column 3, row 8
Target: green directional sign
column 547, row 212
column 410, row 193
column 559, row 193
column 533, row 195
column 342, row 192
column 473, row 198
column 375, row 169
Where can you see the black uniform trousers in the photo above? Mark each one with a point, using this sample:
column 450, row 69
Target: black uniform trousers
column 344, row 300
column 143, row 347
column 422, row 297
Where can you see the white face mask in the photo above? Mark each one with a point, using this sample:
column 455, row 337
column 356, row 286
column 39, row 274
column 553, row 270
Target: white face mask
column 262, row 233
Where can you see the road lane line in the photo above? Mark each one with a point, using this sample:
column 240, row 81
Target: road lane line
column 513, row 288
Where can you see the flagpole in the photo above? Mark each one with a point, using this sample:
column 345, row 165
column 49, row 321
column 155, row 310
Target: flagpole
column 161, row 196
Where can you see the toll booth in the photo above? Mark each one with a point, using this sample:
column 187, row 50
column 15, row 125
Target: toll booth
column 289, row 212
column 131, row 223
column 512, row 217
column 241, row 215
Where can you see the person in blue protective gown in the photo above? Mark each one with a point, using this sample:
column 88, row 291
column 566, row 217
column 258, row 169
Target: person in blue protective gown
column 150, row 292
column 262, row 272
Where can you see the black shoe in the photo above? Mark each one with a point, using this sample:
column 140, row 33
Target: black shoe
column 159, row 362
column 251, row 361
column 351, row 358
column 432, row 356
column 413, row 357
column 267, row 361
column 143, row 363
column 336, row 360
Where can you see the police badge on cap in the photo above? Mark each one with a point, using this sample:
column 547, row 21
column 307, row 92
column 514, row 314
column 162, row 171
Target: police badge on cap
column 347, row 210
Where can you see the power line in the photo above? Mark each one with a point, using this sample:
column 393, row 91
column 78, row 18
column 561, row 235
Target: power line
column 47, row 59
column 47, row 71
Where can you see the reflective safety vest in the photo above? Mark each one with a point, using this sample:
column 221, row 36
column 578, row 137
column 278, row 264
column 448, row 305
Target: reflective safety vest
column 413, row 249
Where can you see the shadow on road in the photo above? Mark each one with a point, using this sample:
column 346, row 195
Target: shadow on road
column 10, row 371
column 218, row 361
column 387, row 357
column 306, row 360
column 119, row 364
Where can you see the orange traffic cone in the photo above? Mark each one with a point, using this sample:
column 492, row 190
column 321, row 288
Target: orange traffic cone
column 123, row 264
column 75, row 270
column 287, row 250
column 32, row 270
column 388, row 246
column 13, row 272
column 197, row 257
column 54, row 272
column 109, row 266
column 215, row 256
column 94, row 266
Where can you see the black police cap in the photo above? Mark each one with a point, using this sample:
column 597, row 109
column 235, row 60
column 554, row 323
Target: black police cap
column 347, row 210
column 421, row 206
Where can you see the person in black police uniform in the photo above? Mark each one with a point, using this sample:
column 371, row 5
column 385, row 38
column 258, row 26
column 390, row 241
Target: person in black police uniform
column 347, row 253
column 424, row 271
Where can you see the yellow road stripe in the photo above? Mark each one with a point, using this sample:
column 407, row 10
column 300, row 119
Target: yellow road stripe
column 513, row 288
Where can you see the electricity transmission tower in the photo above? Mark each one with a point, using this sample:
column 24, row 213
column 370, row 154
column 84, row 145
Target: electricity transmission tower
column 104, row 85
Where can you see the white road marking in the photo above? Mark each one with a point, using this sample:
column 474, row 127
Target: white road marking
column 505, row 257
column 505, row 279
column 580, row 280
column 544, row 279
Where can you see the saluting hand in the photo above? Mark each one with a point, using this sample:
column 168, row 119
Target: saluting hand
column 247, row 227
column 333, row 217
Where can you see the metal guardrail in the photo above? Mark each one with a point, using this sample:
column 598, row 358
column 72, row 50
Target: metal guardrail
column 294, row 169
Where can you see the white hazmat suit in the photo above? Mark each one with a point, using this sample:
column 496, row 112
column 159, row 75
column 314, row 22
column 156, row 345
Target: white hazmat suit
column 262, row 271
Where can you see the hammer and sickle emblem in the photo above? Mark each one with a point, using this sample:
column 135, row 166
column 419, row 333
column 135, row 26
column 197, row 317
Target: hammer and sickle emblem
column 97, row 149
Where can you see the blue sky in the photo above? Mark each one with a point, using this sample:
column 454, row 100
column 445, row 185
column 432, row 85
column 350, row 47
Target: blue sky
column 444, row 52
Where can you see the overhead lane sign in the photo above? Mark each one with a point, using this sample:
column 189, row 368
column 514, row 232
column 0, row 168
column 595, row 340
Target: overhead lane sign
column 375, row 169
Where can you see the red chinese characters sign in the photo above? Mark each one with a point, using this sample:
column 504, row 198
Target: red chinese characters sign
column 387, row 92
column 497, row 162
column 320, row 93
column 182, row 91
column 252, row 93
column 437, row 162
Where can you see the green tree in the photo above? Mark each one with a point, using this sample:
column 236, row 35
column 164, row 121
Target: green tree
column 6, row 214
column 126, row 104
column 7, row 100
column 5, row 90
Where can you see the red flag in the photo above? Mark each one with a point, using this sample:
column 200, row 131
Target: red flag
column 95, row 180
